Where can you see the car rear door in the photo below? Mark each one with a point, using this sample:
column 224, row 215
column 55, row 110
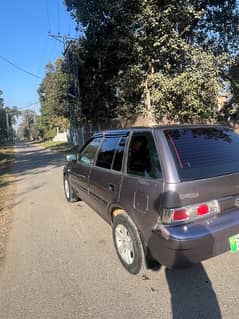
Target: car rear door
column 142, row 185
column 106, row 177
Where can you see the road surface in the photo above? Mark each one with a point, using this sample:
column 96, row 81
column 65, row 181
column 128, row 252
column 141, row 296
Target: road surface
column 61, row 262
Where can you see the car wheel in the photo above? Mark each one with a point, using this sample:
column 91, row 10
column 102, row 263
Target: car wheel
column 69, row 193
column 128, row 244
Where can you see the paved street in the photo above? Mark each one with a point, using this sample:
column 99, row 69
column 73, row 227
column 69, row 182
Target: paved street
column 61, row 262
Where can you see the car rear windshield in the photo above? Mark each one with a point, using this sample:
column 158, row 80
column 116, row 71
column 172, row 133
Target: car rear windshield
column 204, row 152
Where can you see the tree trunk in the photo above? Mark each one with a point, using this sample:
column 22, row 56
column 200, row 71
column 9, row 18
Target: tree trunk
column 148, row 104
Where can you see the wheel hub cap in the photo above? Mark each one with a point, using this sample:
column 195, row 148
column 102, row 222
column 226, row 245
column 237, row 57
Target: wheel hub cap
column 67, row 189
column 124, row 244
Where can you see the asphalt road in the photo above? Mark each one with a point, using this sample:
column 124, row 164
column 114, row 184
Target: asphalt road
column 61, row 262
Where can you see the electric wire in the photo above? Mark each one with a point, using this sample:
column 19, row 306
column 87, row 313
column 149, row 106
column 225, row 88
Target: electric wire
column 58, row 17
column 48, row 16
column 27, row 106
column 19, row 68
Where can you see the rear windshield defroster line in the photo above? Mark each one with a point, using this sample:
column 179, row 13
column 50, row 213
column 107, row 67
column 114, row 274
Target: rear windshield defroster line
column 175, row 150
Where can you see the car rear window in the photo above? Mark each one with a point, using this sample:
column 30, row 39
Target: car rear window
column 204, row 152
column 118, row 160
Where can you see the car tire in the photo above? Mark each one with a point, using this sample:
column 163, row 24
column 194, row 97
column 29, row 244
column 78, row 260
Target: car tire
column 128, row 244
column 69, row 192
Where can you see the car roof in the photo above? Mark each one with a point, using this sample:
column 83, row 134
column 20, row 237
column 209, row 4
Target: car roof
column 154, row 127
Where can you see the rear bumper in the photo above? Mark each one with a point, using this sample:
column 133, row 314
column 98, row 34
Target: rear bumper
column 191, row 243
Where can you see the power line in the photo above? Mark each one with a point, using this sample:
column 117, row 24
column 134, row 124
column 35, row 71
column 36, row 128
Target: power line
column 29, row 105
column 22, row 107
column 58, row 17
column 19, row 68
column 48, row 16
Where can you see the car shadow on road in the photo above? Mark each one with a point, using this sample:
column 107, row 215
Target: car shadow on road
column 192, row 294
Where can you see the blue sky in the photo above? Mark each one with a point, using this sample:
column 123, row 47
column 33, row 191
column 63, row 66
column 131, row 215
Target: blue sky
column 24, row 27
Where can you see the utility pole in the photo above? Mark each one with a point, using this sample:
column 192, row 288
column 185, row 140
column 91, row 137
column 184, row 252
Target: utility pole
column 64, row 39
column 7, row 122
column 67, row 43
column 9, row 127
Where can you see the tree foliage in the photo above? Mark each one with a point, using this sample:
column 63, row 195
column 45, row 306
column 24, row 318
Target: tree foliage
column 8, row 118
column 1, row 100
column 166, row 58
column 54, row 100
column 231, row 111
column 234, row 77
column 29, row 126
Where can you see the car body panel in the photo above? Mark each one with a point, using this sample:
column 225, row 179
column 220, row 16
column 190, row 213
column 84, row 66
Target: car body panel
column 104, row 188
column 198, row 191
column 142, row 199
column 79, row 178
column 196, row 241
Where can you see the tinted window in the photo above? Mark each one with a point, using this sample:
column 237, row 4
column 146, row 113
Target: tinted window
column 107, row 151
column 143, row 158
column 117, row 165
column 87, row 155
column 204, row 152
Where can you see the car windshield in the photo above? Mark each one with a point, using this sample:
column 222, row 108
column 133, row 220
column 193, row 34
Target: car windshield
column 204, row 152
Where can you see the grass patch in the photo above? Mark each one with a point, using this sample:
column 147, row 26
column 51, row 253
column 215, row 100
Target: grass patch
column 6, row 155
column 7, row 189
column 6, row 158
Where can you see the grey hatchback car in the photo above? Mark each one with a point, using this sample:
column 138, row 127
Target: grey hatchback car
column 171, row 193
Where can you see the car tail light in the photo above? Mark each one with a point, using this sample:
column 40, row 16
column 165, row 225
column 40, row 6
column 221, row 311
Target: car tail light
column 203, row 209
column 191, row 212
column 180, row 214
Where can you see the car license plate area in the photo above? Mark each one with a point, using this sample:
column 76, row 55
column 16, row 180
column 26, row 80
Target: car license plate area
column 234, row 243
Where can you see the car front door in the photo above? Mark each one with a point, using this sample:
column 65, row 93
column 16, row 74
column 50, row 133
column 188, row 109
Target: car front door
column 80, row 170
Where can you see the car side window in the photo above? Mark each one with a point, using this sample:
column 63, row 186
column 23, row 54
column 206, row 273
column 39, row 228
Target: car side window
column 143, row 157
column 107, row 152
column 118, row 160
column 87, row 155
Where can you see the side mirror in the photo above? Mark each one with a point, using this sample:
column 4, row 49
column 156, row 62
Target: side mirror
column 71, row 157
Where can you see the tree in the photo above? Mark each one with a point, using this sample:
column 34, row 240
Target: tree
column 164, row 58
column 234, row 77
column 8, row 117
column 1, row 100
column 29, row 126
column 55, row 103
column 230, row 111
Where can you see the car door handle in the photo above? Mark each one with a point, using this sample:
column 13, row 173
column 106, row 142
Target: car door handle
column 111, row 187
